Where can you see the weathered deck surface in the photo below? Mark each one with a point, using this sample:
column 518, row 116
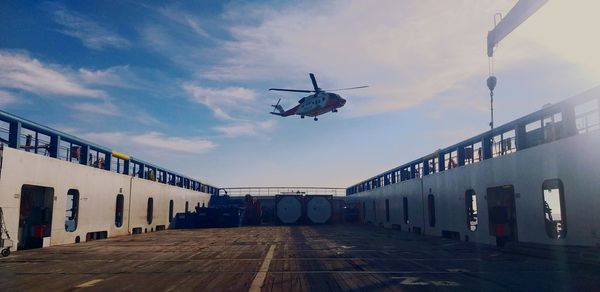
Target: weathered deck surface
column 318, row 258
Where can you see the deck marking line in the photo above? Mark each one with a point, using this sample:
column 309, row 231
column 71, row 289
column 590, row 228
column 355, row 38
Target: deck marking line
column 415, row 281
column 89, row 283
column 261, row 275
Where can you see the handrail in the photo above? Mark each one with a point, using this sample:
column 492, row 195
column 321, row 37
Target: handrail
column 54, row 148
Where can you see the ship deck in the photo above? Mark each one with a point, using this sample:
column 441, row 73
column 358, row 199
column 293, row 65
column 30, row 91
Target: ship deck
column 286, row 258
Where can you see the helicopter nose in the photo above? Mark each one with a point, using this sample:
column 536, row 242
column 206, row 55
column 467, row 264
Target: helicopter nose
column 342, row 101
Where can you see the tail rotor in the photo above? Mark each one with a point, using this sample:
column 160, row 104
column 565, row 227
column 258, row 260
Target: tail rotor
column 278, row 108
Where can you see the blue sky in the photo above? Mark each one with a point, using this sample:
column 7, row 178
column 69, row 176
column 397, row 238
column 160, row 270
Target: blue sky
column 183, row 83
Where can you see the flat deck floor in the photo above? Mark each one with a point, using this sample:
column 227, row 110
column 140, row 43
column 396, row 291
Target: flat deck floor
column 286, row 258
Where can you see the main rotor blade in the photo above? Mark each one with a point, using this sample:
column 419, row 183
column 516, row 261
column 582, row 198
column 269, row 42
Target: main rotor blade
column 349, row 88
column 291, row 90
column 314, row 82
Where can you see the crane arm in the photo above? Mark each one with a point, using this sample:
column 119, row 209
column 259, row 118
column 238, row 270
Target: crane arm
column 517, row 15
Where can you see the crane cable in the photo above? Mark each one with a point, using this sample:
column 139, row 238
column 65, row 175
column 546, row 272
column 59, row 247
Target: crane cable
column 491, row 81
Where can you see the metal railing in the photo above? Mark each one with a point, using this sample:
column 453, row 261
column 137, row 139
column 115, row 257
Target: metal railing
column 25, row 135
column 272, row 191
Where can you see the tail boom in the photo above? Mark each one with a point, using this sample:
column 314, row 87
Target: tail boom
column 283, row 113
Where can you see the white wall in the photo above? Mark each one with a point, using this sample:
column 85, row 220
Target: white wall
column 98, row 191
column 575, row 161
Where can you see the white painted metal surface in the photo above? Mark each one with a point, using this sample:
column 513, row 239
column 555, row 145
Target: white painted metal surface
column 318, row 209
column 289, row 209
column 574, row 160
column 98, row 190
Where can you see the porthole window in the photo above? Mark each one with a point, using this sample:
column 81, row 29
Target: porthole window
column 555, row 217
column 471, row 208
column 150, row 210
column 119, row 210
column 72, row 210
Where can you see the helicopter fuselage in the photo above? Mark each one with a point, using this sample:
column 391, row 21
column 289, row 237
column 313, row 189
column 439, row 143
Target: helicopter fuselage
column 319, row 103
column 313, row 105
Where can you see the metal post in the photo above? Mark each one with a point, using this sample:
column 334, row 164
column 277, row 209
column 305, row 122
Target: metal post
column 126, row 167
column 486, row 144
column 107, row 160
column 520, row 137
column 54, row 145
column 83, row 154
column 14, row 135
column 461, row 155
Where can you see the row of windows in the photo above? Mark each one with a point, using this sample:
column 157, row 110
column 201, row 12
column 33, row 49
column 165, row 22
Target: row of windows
column 34, row 138
column 72, row 210
column 555, row 220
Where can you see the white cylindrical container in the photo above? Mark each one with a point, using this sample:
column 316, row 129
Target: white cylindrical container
column 318, row 209
column 288, row 209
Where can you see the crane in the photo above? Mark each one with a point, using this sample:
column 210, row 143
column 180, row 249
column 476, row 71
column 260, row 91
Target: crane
column 517, row 15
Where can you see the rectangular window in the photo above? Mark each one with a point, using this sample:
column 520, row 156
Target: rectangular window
column 533, row 126
column 405, row 209
column 431, row 208
column 72, row 210
column 468, row 154
column 419, row 170
column 471, row 207
column 187, row 206
column 433, row 165
column 387, row 210
column 587, row 117
column 477, row 155
column 150, row 210
column 119, row 210
column 555, row 217
column 450, row 160
column 504, row 143
column 551, row 125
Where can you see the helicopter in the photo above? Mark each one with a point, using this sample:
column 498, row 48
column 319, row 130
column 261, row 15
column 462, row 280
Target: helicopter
column 316, row 104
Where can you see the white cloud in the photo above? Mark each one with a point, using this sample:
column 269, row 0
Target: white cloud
column 153, row 141
column 245, row 128
column 189, row 145
column 147, row 119
column 407, row 51
column 19, row 71
column 185, row 19
column 106, row 108
column 91, row 34
column 186, row 50
column 7, row 98
column 116, row 76
column 222, row 101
